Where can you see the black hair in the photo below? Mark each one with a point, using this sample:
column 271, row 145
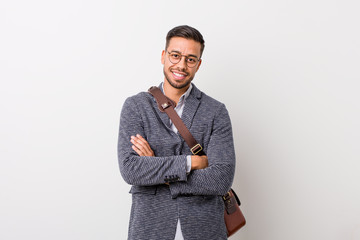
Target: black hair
column 187, row 32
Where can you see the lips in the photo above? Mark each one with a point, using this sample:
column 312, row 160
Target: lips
column 178, row 75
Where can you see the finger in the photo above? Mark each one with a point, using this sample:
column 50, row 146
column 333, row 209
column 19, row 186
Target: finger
column 141, row 139
column 138, row 151
column 139, row 144
column 142, row 146
column 137, row 148
column 141, row 150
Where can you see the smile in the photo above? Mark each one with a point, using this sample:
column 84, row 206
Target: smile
column 179, row 76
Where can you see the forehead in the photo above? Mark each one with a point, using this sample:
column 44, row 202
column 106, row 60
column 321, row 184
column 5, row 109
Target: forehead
column 184, row 46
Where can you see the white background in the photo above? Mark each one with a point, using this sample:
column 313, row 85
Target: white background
column 288, row 72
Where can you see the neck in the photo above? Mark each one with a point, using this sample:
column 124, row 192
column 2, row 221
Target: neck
column 174, row 93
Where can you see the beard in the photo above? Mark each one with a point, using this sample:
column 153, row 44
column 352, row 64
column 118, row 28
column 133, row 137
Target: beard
column 176, row 85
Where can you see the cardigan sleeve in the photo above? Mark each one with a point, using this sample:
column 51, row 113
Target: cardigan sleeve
column 217, row 178
column 141, row 170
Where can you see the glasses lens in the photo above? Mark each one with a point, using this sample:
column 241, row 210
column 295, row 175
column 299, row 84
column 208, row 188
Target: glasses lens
column 174, row 57
column 191, row 61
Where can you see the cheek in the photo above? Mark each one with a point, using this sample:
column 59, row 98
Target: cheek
column 192, row 72
column 168, row 65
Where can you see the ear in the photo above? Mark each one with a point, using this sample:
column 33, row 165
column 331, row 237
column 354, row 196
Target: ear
column 163, row 57
column 197, row 68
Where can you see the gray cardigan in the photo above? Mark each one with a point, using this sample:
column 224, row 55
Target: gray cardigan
column 195, row 198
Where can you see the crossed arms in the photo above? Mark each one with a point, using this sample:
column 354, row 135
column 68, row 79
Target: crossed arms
column 142, row 148
column 210, row 175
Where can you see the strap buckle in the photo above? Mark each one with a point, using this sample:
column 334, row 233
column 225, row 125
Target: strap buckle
column 227, row 196
column 165, row 105
column 196, row 149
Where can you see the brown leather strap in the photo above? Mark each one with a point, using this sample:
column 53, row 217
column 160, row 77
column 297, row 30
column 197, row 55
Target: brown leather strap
column 234, row 218
column 166, row 105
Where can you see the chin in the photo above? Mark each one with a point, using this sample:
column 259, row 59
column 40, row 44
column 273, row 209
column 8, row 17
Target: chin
column 179, row 85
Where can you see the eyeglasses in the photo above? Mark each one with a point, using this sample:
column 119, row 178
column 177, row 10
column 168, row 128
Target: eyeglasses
column 175, row 58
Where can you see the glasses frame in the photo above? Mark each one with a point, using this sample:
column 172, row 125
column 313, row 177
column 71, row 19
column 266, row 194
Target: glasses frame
column 186, row 57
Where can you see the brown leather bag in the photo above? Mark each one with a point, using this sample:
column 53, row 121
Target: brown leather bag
column 234, row 218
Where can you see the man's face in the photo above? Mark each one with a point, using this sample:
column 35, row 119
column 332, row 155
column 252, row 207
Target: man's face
column 180, row 75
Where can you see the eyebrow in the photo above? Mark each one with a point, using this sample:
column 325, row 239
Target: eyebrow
column 190, row 55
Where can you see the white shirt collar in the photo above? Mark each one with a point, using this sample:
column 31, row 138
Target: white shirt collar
column 184, row 96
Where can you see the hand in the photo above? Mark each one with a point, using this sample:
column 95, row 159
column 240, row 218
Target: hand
column 141, row 146
column 199, row 162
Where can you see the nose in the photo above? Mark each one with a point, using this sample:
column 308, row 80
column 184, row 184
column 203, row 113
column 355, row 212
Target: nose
column 182, row 64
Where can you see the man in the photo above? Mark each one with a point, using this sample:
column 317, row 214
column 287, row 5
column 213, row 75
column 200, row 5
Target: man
column 177, row 195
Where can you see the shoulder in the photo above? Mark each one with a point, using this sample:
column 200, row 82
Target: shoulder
column 138, row 99
column 208, row 102
column 138, row 104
